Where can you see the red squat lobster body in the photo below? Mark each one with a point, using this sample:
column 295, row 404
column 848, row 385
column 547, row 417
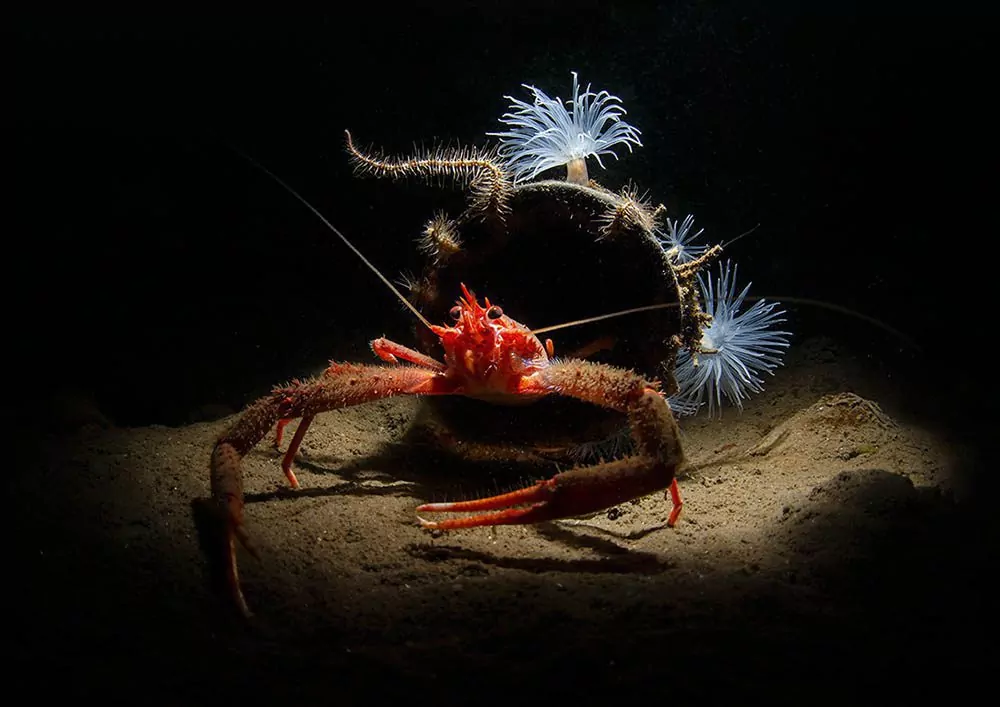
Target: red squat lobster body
column 487, row 355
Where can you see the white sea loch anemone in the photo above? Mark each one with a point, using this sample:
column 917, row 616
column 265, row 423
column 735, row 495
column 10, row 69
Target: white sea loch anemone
column 736, row 348
column 544, row 134
column 677, row 242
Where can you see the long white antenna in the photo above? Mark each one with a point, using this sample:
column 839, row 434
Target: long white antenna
column 588, row 320
column 793, row 300
column 745, row 233
column 340, row 235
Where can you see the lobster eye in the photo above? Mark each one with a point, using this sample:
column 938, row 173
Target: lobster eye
column 494, row 312
column 455, row 313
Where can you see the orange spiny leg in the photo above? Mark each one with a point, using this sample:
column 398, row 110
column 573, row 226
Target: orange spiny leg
column 338, row 387
column 391, row 351
column 293, row 448
column 387, row 351
column 677, row 503
column 279, row 431
column 589, row 489
column 227, row 494
column 571, row 493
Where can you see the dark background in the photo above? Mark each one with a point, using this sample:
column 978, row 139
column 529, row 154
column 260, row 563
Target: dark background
column 150, row 266
column 148, row 247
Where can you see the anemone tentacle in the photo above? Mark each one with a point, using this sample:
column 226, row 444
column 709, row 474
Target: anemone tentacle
column 736, row 348
column 677, row 241
column 543, row 134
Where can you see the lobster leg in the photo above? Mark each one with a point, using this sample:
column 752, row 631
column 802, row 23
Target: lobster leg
column 293, row 448
column 565, row 495
column 338, row 387
column 279, row 431
column 386, row 350
column 392, row 352
column 588, row 489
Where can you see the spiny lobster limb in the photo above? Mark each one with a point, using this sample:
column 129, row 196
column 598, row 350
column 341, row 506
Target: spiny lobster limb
column 594, row 488
column 572, row 493
column 341, row 385
column 385, row 349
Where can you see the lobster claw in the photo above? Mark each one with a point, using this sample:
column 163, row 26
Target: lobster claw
column 227, row 490
column 571, row 493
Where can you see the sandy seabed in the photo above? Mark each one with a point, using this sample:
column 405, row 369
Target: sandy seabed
column 824, row 552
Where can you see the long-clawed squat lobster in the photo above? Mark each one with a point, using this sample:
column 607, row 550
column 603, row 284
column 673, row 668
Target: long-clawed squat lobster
column 487, row 355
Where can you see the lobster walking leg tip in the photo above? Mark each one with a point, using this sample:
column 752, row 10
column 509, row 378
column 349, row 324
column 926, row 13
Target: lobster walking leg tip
column 244, row 609
column 233, row 575
column 241, row 534
column 438, row 507
column 427, row 524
